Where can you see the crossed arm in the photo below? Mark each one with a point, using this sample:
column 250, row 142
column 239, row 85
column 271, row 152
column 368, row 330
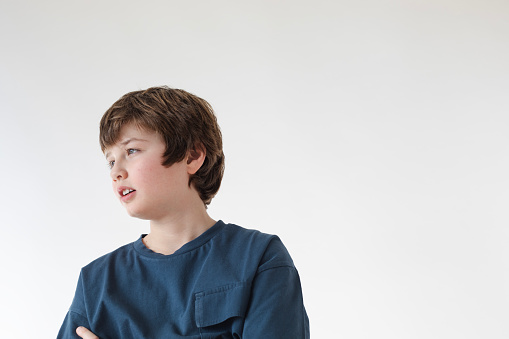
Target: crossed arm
column 277, row 313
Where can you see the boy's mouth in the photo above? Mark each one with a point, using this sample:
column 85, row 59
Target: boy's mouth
column 127, row 191
column 123, row 191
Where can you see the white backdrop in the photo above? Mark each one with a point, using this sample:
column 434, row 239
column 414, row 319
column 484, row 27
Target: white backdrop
column 370, row 135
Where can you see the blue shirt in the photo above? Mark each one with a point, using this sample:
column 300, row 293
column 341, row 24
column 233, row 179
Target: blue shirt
column 229, row 282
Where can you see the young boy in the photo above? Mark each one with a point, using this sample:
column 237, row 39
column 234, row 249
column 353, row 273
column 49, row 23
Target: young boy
column 191, row 276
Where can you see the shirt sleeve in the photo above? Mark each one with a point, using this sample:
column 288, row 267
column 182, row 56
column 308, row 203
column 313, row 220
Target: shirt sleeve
column 76, row 316
column 276, row 309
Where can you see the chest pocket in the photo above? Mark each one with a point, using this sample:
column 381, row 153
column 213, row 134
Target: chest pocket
column 220, row 311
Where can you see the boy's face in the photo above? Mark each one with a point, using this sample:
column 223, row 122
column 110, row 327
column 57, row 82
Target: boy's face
column 146, row 188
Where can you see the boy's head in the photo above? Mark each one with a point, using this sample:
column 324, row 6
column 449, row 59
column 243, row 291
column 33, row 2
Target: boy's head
column 183, row 120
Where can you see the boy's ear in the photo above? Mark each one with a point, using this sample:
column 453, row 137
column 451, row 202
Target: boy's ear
column 195, row 159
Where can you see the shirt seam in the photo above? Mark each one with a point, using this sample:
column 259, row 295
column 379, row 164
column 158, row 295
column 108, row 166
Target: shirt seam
column 78, row 313
column 221, row 289
column 274, row 267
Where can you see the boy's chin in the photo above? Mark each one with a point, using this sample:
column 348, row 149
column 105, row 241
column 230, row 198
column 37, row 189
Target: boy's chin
column 136, row 214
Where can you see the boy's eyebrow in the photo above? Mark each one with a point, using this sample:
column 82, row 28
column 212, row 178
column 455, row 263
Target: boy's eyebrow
column 125, row 142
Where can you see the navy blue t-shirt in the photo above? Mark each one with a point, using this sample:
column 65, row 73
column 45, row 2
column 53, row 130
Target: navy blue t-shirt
column 229, row 282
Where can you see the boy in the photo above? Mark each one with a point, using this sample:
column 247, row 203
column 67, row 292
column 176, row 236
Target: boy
column 191, row 276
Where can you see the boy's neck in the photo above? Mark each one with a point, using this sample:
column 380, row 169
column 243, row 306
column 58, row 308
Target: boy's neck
column 167, row 236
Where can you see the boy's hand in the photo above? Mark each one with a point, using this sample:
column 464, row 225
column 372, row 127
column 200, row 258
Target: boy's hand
column 85, row 333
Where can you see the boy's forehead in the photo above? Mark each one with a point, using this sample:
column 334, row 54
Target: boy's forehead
column 130, row 133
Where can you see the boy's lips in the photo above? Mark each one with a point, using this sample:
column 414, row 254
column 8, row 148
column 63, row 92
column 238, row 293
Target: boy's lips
column 125, row 192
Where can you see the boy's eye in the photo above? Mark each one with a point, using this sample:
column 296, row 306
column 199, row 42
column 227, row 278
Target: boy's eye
column 129, row 151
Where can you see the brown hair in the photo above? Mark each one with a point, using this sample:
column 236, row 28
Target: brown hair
column 184, row 121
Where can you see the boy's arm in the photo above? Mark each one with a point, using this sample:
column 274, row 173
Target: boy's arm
column 72, row 321
column 76, row 316
column 276, row 308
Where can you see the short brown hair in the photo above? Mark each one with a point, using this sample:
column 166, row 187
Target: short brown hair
column 184, row 121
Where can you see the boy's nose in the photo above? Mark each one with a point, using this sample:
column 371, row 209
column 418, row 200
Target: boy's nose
column 117, row 174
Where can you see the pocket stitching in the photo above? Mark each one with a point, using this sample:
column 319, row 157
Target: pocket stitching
column 199, row 296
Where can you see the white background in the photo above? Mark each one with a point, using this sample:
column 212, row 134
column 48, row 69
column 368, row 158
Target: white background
column 370, row 135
